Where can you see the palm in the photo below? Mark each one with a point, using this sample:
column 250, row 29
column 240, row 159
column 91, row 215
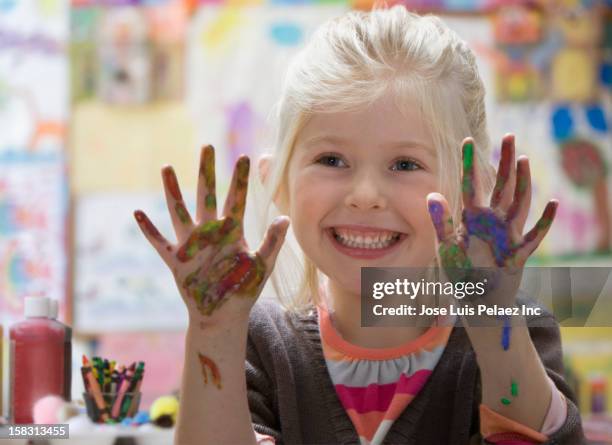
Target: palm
column 491, row 237
column 211, row 261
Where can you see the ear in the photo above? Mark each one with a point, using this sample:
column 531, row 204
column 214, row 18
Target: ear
column 264, row 164
column 263, row 167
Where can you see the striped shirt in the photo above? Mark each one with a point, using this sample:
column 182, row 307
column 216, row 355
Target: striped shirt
column 376, row 385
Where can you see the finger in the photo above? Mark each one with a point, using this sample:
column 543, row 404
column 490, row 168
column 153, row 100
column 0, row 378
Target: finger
column 206, row 204
column 506, row 173
column 468, row 177
column 519, row 210
column 440, row 217
column 535, row 236
column 181, row 220
column 157, row 240
column 273, row 241
column 236, row 197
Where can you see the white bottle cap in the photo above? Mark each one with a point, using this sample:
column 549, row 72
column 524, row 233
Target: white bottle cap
column 53, row 308
column 36, row 307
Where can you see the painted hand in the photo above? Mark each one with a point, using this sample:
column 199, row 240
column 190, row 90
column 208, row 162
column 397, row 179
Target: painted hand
column 211, row 262
column 490, row 240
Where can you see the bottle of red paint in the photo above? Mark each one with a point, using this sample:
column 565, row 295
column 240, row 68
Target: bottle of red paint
column 53, row 315
column 36, row 359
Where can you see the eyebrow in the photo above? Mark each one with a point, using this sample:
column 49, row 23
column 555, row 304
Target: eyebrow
column 336, row 140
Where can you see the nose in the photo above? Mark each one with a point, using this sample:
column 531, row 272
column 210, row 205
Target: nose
column 366, row 193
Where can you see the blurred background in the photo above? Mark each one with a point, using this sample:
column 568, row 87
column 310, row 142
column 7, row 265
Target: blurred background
column 95, row 96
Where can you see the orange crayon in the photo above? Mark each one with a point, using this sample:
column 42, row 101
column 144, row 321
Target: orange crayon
column 94, row 388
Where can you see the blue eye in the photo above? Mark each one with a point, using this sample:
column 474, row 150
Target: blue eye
column 329, row 161
column 405, row 165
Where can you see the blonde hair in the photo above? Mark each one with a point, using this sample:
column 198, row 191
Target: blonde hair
column 350, row 62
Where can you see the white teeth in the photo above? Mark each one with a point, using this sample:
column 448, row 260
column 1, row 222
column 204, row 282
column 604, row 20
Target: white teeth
column 377, row 241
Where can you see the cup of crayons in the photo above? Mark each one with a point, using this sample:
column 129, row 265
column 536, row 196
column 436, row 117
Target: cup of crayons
column 112, row 392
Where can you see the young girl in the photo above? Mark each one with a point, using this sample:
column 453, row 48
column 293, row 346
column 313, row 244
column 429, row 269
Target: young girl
column 373, row 169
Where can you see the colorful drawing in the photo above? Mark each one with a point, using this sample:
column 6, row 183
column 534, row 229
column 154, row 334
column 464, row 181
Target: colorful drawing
column 517, row 30
column 33, row 230
column 33, row 78
column 33, row 183
column 575, row 67
column 120, row 282
column 124, row 57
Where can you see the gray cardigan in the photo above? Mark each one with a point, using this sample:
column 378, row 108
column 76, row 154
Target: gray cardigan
column 292, row 398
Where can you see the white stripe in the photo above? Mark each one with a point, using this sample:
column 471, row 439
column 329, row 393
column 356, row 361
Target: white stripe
column 381, row 432
column 366, row 372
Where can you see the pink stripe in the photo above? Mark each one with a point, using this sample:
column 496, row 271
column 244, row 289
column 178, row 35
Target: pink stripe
column 509, row 439
column 376, row 397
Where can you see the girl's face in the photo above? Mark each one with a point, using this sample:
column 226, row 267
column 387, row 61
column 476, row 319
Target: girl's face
column 357, row 188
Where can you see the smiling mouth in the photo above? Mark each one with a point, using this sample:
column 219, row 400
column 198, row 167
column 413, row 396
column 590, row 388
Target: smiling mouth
column 367, row 240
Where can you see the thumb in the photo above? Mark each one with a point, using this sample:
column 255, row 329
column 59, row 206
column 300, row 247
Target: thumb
column 273, row 241
column 440, row 217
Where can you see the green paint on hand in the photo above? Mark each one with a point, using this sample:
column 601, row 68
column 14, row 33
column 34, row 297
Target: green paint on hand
column 468, row 158
column 181, row 212
column 505, row 401
column 210, row 202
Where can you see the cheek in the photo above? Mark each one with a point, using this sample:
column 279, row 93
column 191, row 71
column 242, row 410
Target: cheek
column 306, row 206
column 310, row 196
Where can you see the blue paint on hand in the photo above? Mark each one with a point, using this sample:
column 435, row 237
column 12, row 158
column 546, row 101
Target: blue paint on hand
column 505, row 340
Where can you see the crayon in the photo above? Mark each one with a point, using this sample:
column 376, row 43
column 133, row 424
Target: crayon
column 94, row 388
column 129, row 399
column 85, row 380
column 133, row 406
column 107, row 378
column 100, row 366
column 122, row 390
column 114, row 381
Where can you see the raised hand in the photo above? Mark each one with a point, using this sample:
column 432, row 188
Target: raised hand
column 211, row 262
column 490, row 236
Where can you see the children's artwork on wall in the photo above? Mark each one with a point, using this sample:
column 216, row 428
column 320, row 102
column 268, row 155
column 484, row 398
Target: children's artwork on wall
column 517, row 30
column 569, row 161
column 168, row 23
column 575, row 66
column 121, row 284
column 129, row 53
column 33, row 75
column 116, row 149
column 84, row 68
column 124, row 57
column 581, row 134
column 33, row 184
column 32, row 230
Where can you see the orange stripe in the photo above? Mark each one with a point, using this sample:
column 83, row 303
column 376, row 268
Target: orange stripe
column 433, row 337
column 366, row 424
column 399, row 402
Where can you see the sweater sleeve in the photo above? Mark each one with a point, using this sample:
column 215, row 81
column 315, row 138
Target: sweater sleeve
column 498, row 429
column 546, row 338
column 260, row 395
